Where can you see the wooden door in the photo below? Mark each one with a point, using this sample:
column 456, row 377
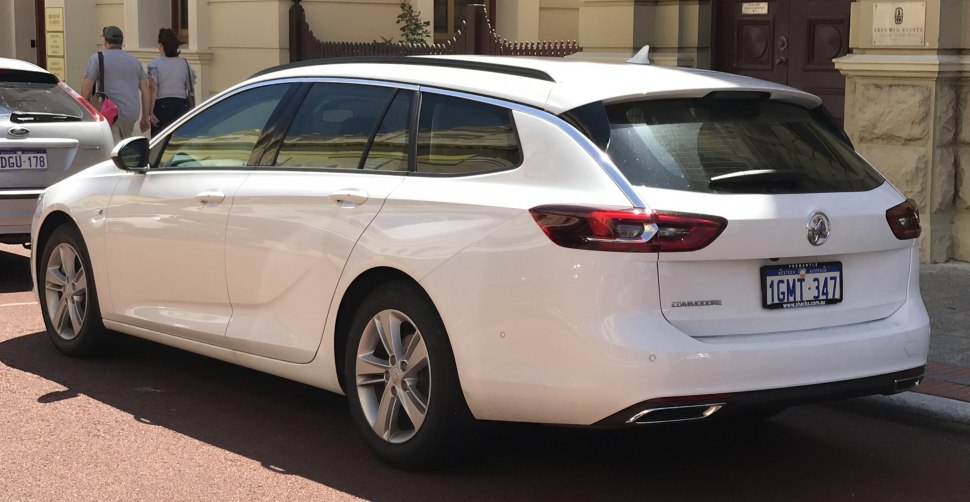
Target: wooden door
column 791, row 42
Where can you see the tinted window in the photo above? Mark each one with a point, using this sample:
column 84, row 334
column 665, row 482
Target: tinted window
column 389, row 149
column 458, row 136
column 224, row 134
column 333, row 125
column 735, row 146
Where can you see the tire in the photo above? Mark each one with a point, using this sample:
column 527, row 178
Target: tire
column 431, row 424
column 68, row 296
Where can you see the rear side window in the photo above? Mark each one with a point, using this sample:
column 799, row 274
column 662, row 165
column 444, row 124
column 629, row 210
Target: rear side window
column 732, row 146
column 30, row 97
column 224, row 134
column 332, row 127
column 459, row 136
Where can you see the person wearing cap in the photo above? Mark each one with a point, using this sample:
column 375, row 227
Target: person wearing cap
column 125, row 82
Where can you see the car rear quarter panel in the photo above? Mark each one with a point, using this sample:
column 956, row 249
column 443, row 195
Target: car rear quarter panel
column 427, row 221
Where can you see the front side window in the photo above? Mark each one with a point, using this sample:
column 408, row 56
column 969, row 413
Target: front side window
column 732, row 146
column 460, row 136
column 224, row 134
column 332, row 128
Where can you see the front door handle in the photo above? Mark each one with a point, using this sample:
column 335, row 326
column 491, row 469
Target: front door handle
column 349, row 197
column 211, row 197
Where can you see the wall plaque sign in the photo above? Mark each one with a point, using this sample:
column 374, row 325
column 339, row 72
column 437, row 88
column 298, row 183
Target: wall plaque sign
column 754, row 8
column 899, row 23
column 55, row 44
column 56, row 66
column 54, row 18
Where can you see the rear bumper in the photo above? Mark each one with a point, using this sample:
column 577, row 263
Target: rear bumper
column 692, row 407
column 16, row 212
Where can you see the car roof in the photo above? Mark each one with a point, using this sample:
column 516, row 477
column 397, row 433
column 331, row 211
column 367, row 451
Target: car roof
column 554, row 84
column 16, row 64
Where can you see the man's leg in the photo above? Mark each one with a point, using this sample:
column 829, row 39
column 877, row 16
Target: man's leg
column 122, row 129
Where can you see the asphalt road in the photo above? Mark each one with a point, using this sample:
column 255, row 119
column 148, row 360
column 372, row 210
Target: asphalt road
column 154, row 423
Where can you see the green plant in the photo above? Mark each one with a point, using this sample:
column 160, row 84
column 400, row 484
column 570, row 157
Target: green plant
column 413, row 29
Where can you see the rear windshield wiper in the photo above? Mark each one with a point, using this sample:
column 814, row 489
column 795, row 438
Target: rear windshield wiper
column 35, row 117
column 758, row 180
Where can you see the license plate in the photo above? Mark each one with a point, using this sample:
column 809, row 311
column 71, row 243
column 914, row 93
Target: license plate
column 801, row 285
column 23, row 159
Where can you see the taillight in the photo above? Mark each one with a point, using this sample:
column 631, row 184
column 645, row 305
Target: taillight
column 904, row 220
column 627, row 230
column 85, row 103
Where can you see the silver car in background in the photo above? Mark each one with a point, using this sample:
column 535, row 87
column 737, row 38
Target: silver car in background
column 47, row 133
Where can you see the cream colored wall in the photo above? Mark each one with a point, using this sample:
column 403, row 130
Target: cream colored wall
column 357, row 20
column 82, row 28
column 245, row 37
column 559, row 19
column 517, row 19
column 677, row 31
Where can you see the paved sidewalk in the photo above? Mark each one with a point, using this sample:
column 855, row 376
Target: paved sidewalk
column 946, row 292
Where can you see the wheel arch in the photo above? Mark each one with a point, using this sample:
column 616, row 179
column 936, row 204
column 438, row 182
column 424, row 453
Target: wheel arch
column 52, row 222
column 352, row 298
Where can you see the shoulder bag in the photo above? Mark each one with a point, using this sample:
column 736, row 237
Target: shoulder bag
column 108, row 107
column 190, row 94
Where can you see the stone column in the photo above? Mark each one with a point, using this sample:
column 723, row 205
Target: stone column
column 902, row 112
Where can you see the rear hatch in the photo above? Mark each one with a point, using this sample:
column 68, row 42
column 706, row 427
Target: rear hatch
column 807, row 243
column 46, row 133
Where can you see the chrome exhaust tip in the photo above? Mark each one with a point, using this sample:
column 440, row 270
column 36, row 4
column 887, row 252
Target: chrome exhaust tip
column 668, row 414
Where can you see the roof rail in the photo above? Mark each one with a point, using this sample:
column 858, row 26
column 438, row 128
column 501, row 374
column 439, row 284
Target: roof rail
column 518, row 71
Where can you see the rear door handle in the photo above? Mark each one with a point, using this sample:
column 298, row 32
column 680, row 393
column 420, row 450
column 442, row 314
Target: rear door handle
column 349, row 197
column 211, row 197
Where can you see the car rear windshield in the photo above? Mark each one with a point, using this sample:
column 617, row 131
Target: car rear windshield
column 732, row 146
column 29, row 97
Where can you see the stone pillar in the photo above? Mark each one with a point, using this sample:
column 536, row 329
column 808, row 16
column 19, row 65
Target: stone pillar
column 902, row 112
column 678, row 32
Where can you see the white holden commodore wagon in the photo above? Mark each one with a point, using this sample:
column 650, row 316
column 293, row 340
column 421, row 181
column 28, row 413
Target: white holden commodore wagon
column 513, row 239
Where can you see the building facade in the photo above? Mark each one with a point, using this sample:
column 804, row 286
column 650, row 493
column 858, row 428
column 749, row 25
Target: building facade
column 896, row 73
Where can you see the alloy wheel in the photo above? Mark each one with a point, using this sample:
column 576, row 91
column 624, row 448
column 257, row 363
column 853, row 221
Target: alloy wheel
column 67, row 291
column 393, row 376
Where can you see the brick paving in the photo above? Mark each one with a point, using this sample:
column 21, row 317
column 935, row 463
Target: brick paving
column 946, row 380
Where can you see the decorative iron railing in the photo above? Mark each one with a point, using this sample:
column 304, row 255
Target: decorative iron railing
column 474, row 36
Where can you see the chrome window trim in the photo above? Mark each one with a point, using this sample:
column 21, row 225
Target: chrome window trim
column 587, row 145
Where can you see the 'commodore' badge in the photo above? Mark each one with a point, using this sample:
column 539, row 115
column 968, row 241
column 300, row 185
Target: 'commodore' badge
column 818, row 229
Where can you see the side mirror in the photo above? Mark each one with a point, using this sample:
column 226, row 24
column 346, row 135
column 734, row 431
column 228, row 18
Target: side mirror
column 131, row 154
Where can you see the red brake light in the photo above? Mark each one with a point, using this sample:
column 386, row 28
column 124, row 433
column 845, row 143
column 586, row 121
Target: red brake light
column 627, row 230
column 904, row 220
column 85, row 103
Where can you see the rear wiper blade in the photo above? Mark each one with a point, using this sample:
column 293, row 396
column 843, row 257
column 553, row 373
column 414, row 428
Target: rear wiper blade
column 35, row 117
column 771, row 179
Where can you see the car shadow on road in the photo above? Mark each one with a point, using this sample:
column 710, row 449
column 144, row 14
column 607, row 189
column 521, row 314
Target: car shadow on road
column 294, row 429
column 14, row 273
